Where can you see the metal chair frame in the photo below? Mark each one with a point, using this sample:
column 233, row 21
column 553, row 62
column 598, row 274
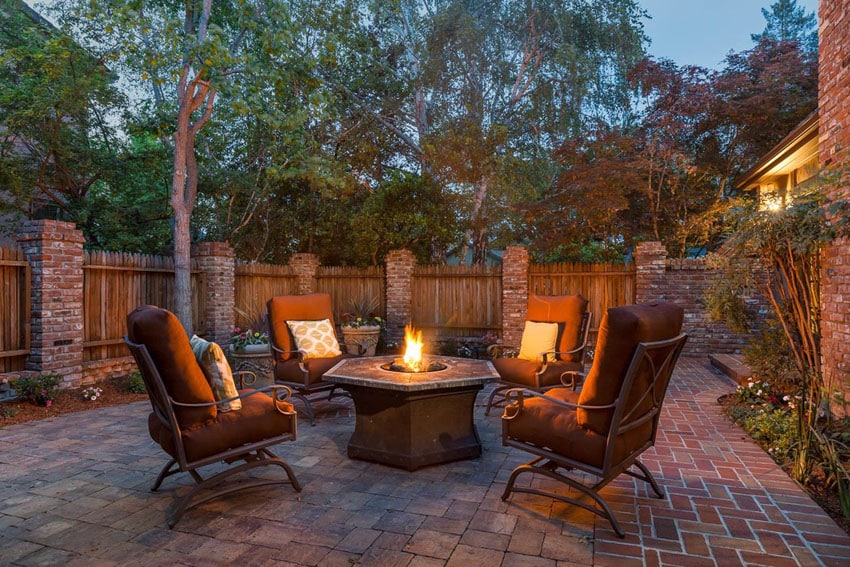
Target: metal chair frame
column 254, row 455
column 548, row 357
column 623, row 420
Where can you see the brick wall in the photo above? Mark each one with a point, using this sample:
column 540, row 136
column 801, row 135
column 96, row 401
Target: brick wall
column 55, row 252
column 306, row 266
column 834, row 152
column 400, row 265
column 216, row 261
column 515, row 263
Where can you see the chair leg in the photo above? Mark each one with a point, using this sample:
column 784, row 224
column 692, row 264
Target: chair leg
column 548, row 470
column 646, row 477
column 165, row 472
column 262, row 457
column 308, row 407
column 493, row 395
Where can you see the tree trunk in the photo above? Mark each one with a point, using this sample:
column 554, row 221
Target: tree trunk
column 477, row 233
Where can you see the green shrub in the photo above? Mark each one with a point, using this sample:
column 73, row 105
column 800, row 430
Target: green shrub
column 771, row 359
column 40, row 390
column 135, row 383
column 776, row 430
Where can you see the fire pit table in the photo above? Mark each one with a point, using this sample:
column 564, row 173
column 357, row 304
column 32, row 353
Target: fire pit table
column 413, row 419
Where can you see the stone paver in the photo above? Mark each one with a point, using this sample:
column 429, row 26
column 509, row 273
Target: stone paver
column 75, row 491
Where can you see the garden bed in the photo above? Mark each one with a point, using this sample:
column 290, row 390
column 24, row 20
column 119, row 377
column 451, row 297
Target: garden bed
column 113, row 392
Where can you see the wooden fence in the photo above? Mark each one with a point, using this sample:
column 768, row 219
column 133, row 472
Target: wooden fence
column 604, row 285
column 114, row 284
column 254, row 285
column 457, row 301
column 15, row 303
column 348, row 284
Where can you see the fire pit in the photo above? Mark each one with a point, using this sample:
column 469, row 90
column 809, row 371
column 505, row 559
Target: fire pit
column 413, row 359
column 413, row 419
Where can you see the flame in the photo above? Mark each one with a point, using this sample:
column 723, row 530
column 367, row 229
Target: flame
column 413, row 347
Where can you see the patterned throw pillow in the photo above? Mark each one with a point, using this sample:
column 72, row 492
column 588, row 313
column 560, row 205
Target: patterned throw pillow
column 212, row 361
column 537, row 338
column 316, row 338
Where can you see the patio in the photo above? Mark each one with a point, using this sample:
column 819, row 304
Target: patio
column 75, row 492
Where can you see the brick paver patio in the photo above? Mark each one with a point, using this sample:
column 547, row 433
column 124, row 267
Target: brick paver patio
column 75, row 492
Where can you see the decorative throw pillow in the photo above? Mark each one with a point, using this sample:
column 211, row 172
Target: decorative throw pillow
column 214, row 364
column 316, row 338
column 537, row 338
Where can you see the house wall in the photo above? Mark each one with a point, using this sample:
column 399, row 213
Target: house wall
column 834, row 105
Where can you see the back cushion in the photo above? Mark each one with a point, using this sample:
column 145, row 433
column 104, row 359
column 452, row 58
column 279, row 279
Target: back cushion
column 163, row 335
column 283, row 308
column 620, row 331
column 567, row 311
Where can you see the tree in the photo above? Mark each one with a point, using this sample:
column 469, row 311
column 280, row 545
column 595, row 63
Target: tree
column 787, row 21
column 469, row 88
column 204, row 54
column 55, row 102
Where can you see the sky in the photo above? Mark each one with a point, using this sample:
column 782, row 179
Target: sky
column 702, row 32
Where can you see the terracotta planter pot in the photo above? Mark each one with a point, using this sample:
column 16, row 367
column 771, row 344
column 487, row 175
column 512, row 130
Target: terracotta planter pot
column 366, row 336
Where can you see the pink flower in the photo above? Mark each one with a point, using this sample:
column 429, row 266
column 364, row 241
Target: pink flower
column 48, row 403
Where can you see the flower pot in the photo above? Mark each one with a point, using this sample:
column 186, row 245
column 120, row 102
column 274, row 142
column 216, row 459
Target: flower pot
column 366, row 336
column 252, row 349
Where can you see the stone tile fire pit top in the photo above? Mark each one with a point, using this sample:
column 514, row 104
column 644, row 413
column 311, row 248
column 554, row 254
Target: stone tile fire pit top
column 367, row 371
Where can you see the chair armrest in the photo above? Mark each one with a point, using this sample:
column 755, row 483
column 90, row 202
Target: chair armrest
column 276, row 389
column 515, row 396
column 300, row 354
column 575, row 378
column 245, row 378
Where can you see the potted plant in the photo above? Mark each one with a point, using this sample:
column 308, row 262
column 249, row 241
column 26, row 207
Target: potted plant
column 362, row 326
column 249, row 341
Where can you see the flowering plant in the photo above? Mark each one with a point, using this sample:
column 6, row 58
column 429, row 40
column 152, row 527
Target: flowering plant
column 363, row 314
column 241, row 337
column 92, row 393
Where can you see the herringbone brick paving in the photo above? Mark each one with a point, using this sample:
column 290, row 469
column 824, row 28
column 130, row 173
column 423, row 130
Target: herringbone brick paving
column 75, row 492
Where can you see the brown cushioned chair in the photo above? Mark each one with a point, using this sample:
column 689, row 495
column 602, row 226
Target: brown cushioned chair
column 292, row 367
column 614, row 418
column 185, row 420
column 570, row 313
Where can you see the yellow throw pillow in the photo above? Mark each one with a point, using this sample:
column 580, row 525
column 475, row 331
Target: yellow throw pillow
column 537, row 338
column 316, row 338
column 214, row 364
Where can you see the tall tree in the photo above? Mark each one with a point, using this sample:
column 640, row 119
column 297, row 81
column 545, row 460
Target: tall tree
column 788, row 21
column 189, row 55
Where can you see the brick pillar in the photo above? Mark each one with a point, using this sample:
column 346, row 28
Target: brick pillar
column 216, row 261
column 650, row 267
column 515, row 262
column 834, row 154
column 400, row 265
column 55, row 252
column 305, row 265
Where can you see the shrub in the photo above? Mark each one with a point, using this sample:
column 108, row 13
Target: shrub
column 40, row 390
column 135, row 383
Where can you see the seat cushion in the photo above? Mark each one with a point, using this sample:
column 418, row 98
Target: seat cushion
column 567, row 311
column 289, row 371
column 522, row 373
column 620, row 331
column 283, row 308
column 548, row 425
column 315, row 338
column 163, row 335
column 257, row 420
column 217, row 370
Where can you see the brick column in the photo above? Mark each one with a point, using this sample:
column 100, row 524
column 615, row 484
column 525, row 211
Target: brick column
column 515, row 262
column 650, row 267
column 834, row 154
column 55, row 252
column 216, row 261
column 305, row 265
column 400, row 265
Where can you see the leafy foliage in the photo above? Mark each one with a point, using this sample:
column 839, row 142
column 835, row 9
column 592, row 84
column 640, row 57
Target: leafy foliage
column 40, row 390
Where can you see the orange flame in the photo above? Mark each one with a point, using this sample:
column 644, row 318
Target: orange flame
column 413, row 347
